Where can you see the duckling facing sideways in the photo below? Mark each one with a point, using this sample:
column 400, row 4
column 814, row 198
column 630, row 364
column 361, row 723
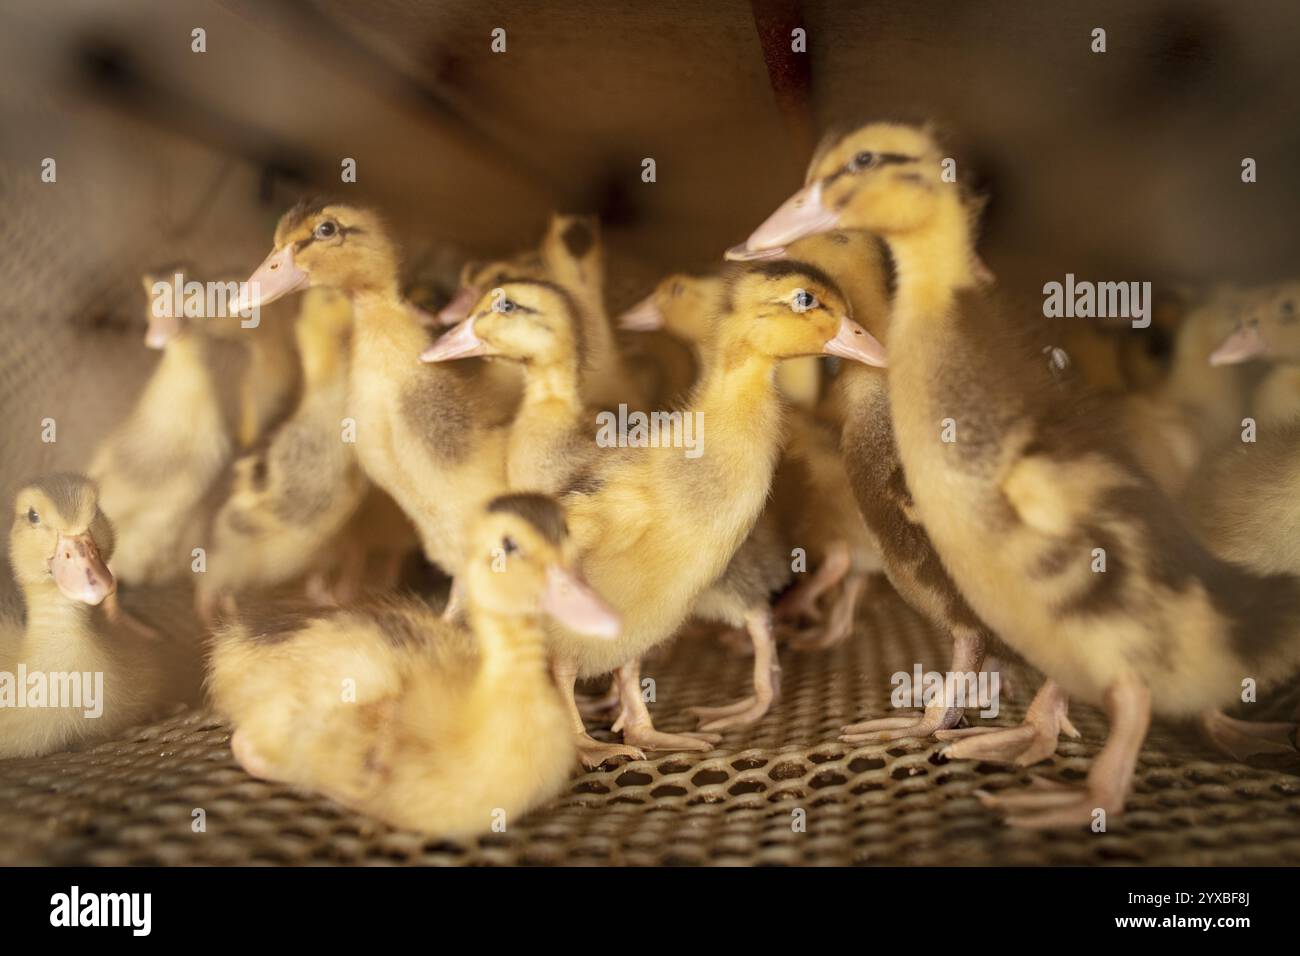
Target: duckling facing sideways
column 653, row 527
column 420, row 436
column 399, row 714
column 95, row 678
column 1019, row 506
column 535, row 322
column 1269, row 332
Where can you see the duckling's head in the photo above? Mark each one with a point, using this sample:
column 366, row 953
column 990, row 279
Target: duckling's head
column 1267, row 328
column 883, row 178
column 523, row 320
column 785, row 309
column 682, row 305
column 61, row 538
column 523, row 564
column 477, row 276
column 330, row 244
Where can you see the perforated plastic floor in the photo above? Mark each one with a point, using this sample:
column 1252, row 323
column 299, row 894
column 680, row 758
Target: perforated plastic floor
column 133, row 800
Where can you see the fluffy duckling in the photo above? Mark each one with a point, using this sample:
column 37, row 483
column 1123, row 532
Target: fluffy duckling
column 290, row 499
column 216, row 388
column 571, row 256
column 420, row 435
column 535, row 323
column 1036, row 490
column 397, row 713
column 94, row 678
column 652, row 526
column 839, row 548
column 1269, row 332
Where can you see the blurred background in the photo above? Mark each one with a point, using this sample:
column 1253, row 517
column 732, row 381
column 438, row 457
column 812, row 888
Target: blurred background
column 1122, row 165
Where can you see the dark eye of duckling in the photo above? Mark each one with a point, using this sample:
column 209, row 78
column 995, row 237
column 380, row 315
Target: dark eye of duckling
column 1288, row 312
column 32, row 517
column 803, row 300
column 862, row 160
column 326, row 229
column 504, row 305
column 508, row 545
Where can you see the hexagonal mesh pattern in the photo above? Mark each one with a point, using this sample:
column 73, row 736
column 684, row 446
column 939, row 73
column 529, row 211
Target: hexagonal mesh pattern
column 132, row 801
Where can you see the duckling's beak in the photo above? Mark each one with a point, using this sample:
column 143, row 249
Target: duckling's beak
column 742, row 253
column 801, row 215
column 642, row 317
column 460, row 342
column 275, row 278
column 162, row 329
column 79, row 571
column 1244, row 344
column 852, row 341
column 458, row 309
column 571, row 601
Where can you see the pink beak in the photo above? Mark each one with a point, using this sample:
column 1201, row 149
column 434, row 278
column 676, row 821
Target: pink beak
column 642, row 317
column 162, row 329
column 275, row 278
column 79, row 571
column 799, row 216
column 742, row 253
column 458, row 309
column 854, row 342
column 572, row 602
column 460, row 342
column 1242, row 345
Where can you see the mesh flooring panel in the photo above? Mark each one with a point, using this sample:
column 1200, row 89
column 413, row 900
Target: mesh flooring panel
column 132, row 800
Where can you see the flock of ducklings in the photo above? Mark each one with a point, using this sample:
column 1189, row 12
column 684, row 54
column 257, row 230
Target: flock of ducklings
column 568, row 560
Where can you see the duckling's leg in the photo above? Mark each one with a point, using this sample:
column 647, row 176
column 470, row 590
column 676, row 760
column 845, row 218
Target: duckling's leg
column 639, row 730
column 967, row 655
column 800, row 602
column 1032, row 741
column 842, row 615
column 1048, row 804
column 600, row 705
column 767, row 680
column 591, row 752
column 1240, row 739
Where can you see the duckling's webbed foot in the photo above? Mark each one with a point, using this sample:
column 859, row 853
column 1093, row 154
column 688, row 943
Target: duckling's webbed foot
column 1033, row 741
column 967, row 656
column 767, row 681
column 1240, row 739
column 593, row 753
column 1048, row 804
column 638, row 728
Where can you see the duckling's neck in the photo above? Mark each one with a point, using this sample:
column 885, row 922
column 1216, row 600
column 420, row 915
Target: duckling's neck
column 510, row 646
column 553, row 385
column 55, row 624
column 322, row 359
column 934, row 262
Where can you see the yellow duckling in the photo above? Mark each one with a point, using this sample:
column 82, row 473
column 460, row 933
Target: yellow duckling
column 399, row 714
column 1036, row 490
column 656, row 525
column 1269, row 332
column 216, row 388
column 290, row 499
column 420, row 435
column 93, row 678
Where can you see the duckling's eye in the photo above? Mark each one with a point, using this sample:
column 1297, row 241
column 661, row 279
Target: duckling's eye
column 504, row 305
column 326, row 229
column 803, row 300
column 1288, row 312
column 32, row 517
column 508, row 545
column 862, row 161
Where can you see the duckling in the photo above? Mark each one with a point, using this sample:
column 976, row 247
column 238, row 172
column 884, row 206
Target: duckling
column 290, row 499
column 1269, row 331
column 397, row 713
column 535, row 322
column 838, row 546
column 216, row 388
column 420, row 435
column 1019, row 506
column 60, row 544
column 651, row 524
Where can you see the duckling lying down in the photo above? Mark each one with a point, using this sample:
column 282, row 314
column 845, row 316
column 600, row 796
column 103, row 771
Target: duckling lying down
column 393, row 711
column 105, row 675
